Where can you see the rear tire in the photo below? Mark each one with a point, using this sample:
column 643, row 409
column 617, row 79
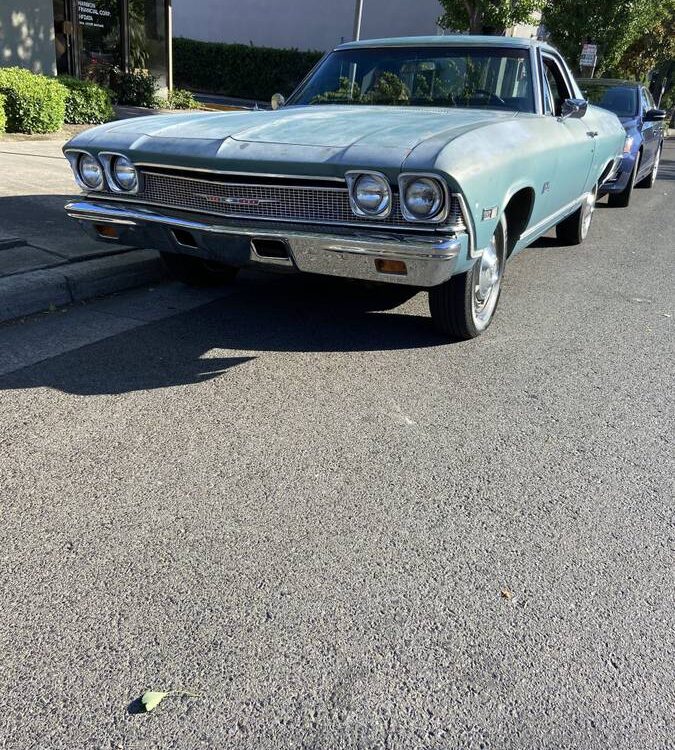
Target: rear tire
column 574, row 229
column 464, row 306
column 197, row 271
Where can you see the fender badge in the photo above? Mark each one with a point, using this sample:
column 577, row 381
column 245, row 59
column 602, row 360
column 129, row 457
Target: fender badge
column 489, row 213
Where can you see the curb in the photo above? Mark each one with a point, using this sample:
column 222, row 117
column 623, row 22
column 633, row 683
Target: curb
column 38, row 291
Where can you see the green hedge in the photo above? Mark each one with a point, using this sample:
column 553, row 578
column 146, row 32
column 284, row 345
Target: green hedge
column 239, row 70
column 3, row 119
column 33, row 103
column 87, row 102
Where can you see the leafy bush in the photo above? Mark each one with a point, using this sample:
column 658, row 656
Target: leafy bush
column 182, row 99
column 33, row 103
column 177, row 99
column 136, row 88
column 239, row 70
column 3, row 119
column 87, row 102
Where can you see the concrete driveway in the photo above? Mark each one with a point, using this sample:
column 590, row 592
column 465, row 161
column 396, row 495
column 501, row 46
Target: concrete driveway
column 293, row 499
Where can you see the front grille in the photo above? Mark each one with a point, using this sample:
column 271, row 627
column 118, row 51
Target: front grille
column 318, row 204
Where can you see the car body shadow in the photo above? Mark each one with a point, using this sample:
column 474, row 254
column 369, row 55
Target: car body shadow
column 264, row 314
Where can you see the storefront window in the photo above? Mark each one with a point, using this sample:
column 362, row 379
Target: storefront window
column 99, row 35
column 91, row 36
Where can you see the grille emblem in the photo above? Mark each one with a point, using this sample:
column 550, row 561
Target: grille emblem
column 234, row 200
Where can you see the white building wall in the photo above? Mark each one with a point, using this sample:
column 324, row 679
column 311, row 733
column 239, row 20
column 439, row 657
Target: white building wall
column 27, row 35
column 305, row 24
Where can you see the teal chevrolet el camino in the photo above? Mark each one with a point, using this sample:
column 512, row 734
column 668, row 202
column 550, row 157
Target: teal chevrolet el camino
column 422, row 161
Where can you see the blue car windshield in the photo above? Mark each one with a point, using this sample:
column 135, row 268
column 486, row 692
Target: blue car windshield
column 489, row 78
column 622, row 100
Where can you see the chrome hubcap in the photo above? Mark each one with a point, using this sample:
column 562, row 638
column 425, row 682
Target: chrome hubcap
column 486, row 290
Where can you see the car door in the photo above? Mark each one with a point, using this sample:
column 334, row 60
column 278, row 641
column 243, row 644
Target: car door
column 574, row 137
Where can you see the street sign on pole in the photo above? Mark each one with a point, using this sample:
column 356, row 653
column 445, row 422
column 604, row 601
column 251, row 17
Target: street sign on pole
column 589, row 57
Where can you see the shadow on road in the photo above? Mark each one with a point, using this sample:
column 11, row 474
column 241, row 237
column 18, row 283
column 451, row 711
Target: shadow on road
column 266, row 314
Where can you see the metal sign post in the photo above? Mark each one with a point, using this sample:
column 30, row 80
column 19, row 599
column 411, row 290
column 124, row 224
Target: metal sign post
column 358, row 17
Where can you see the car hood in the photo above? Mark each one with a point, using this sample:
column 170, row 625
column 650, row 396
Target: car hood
column 331, row 126
column 313, row 133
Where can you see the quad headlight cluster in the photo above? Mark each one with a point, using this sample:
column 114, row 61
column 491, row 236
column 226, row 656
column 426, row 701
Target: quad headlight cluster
column 423, row 197
column 93, row 173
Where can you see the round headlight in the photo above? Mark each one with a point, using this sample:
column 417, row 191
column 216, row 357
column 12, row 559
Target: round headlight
column 124, row 173
column 423, row 198
column 91, row 172
column 372, row 194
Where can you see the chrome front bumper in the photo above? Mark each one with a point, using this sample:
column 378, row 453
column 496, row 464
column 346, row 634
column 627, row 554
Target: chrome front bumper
column 429, row 259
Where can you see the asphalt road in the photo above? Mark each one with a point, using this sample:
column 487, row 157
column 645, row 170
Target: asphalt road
column 296, row 501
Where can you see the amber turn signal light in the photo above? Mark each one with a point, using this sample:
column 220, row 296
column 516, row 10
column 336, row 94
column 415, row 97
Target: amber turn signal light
column 397, row 267
column 105, row 231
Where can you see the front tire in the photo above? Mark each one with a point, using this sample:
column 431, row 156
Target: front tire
column 197, row 271
column 574, row 229
column 464, row 306
column 622, row 199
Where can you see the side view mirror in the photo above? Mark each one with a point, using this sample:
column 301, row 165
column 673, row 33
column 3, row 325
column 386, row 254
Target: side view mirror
column 574, row 108
column 655, row 115
column 278, row 101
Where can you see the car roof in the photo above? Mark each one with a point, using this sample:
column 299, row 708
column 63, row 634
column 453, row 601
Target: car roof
column 448, row 40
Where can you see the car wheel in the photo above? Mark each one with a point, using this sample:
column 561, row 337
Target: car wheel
column 197, row 271
column 650, row 179
column 622, row 199
column 464, row 306
column 574, row 229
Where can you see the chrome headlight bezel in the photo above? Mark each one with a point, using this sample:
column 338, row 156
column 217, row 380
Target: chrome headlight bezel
column 383, row 209
column 439, row 212
column 109, row 159
column 76, row 158
column 122, row 169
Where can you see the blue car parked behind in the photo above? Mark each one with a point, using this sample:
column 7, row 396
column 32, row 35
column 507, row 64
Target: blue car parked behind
column 633, row 104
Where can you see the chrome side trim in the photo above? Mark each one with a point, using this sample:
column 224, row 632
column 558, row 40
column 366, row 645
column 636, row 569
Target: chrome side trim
column 553, row 218
column 468, row 224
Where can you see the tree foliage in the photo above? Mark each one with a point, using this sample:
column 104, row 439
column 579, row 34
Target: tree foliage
column 652, row 49
column 614, row 25
column 487, row 16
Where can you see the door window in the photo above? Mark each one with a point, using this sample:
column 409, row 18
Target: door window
column 645, row 97
column 557, row 84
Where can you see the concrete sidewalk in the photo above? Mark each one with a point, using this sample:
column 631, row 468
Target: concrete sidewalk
column 45, row 258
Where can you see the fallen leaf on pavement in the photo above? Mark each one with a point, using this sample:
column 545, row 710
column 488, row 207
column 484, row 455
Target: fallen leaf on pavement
column 151, row 699
column 506, row 593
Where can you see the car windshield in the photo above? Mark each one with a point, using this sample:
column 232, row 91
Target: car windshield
column 622, row 100
column 494, row 78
